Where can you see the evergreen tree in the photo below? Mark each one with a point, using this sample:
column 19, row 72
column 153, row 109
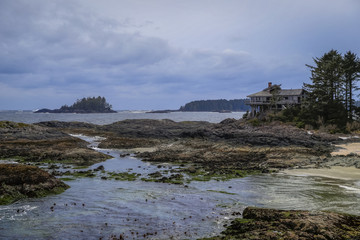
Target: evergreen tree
column 325, row 94
column 216, row 105
column 89, row 104
column 330, row 97
column 351, row 69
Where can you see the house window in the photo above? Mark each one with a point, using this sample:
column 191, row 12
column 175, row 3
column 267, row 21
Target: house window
column 286, row 98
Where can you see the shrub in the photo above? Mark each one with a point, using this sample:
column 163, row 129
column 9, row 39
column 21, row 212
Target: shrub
column 353, row 126
column 254, row 122
column 300, row 124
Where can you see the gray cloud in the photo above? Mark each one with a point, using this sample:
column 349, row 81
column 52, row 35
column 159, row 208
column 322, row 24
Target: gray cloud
column 136, row 52
column 65, row 44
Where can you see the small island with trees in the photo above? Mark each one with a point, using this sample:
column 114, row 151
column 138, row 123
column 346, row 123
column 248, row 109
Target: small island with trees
column 84, row 105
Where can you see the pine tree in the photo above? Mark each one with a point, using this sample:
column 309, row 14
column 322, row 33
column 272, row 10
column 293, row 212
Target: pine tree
column 326, row 91
column 351, row 69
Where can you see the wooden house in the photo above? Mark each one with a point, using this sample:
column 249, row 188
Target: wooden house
column 274, row 98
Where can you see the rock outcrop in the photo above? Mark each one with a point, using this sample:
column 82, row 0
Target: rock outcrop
column 28, row 142
column 259, row 223
column 232, row 131
column 229, row 144
column 19, row 181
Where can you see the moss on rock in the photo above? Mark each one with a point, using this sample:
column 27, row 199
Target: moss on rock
column 22, row 181
column 259, row 223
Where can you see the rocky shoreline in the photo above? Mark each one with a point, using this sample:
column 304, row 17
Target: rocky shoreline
column 32, row 143
column 204, row 151
column 231, row 144
column 20, row 181
column 259, row 223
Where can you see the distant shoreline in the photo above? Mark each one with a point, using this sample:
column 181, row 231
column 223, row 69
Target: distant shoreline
column 169, row 111
column 45, row 110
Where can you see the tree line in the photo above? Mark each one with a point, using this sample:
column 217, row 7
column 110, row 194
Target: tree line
column 84, row 105
column 215, row 106
column 330, row 97
column 89, row 104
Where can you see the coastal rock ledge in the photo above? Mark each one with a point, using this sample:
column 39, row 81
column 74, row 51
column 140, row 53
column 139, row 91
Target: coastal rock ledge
column 260, row 223
column 19, row 181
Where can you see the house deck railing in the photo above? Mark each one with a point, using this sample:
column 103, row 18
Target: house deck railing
column 264, row 102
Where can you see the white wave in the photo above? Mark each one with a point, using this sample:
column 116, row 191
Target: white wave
column 77, row 135
column 97, row 149
column 138, row 111
column 350, row 137
column 28, row 207
column 98, row 138
column 344, row 138
column 8, row 161
column 89, row 139
column 5, row 207
column 352, row 189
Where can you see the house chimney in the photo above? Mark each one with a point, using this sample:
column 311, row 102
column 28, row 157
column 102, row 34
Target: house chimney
column 269, row 84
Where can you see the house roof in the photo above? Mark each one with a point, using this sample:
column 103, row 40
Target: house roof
column 282, row 92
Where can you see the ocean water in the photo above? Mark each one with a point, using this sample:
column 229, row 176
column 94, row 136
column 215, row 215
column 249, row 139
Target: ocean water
column 107, row 118
column 98, row 209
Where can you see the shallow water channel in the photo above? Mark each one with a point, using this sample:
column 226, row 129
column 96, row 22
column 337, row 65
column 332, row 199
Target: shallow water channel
column 94, row 208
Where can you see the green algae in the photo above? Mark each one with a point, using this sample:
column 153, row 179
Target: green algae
column 54, row 191
column 18, row 159
column 242, row 221
column 67, row 179
column 223, row 192
column 279, row 224
column 158, row 177
column 14, row 195
column 188, row 174
column 203, row 175
column 80, row 167
column 7, row 199
column 27, row 160
column 123, row 176
column 120, row 176
column 8, row 124
column 80, row 174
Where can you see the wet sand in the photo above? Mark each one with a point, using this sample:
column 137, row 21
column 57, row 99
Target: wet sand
column 345, row 149
column 338, row 172
column 345, row 173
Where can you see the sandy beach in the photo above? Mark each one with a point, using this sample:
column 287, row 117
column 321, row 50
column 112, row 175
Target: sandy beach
column 338, row 172
column 345, row 173
column 345, row 149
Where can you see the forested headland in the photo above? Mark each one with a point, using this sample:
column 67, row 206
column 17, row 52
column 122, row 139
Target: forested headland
column 220, row 105
column 330, row 102
column 84, row 105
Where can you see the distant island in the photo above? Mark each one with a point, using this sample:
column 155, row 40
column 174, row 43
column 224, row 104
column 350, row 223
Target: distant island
column 220, row 105
column 85, row 105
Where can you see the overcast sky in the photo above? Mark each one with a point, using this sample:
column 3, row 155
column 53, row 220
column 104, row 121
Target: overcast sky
column 160, row 54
